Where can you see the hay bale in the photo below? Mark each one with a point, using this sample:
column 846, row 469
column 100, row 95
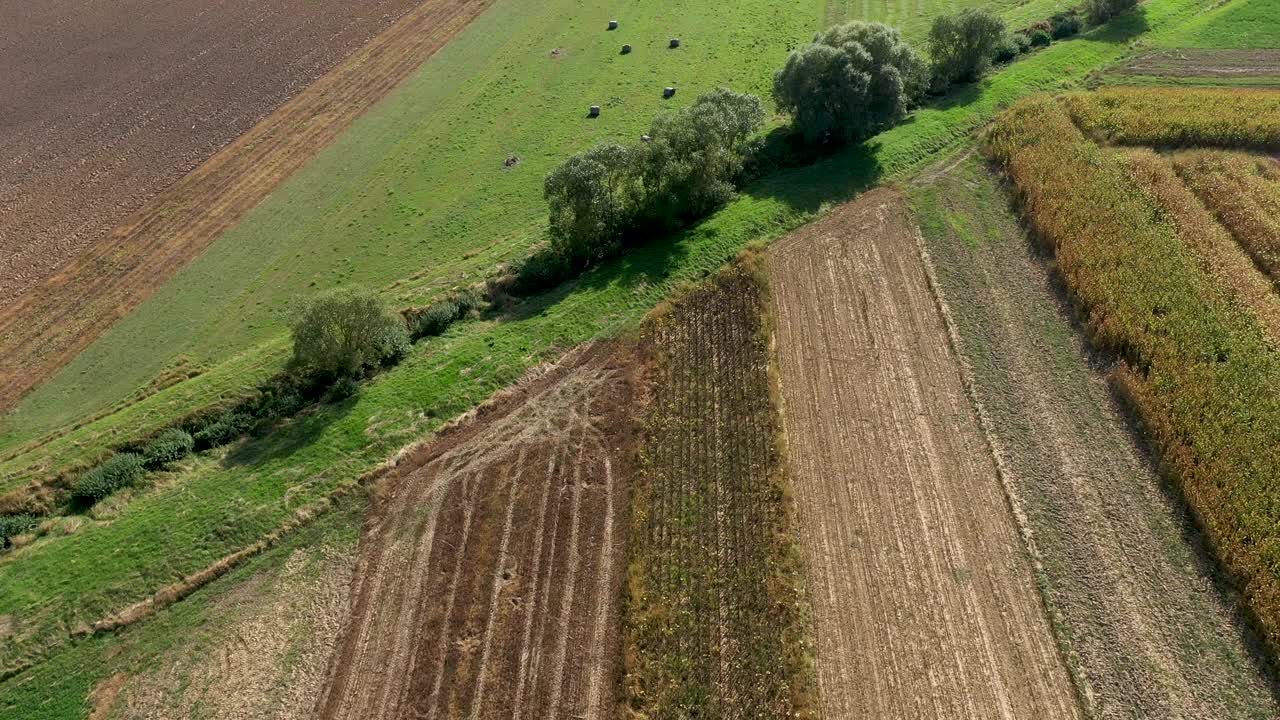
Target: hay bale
column 675, row 42
column 645, row 138
column 594, row 111
column 668, row 92
column 613, row 24
column 626, row 49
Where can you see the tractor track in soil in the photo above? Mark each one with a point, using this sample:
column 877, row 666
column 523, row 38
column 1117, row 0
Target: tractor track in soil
column 84, row 274
column 490, row 568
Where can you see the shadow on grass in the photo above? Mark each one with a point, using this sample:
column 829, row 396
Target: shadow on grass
column 1122, row 29
column 285, row 437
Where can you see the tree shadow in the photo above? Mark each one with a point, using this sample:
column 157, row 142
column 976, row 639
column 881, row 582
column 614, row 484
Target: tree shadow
column 284, row 437
column 1122, row 29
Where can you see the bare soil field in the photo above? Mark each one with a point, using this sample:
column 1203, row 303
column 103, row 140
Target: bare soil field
column 491, row 564
column 924, row 597
column 1203, row 63
column 1133, row 594
column 97, row 137
column 715, row 615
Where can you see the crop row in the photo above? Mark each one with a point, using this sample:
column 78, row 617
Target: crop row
column 1243, row 191
column 714, row 616
column 1180, row 117
column 1198, row 367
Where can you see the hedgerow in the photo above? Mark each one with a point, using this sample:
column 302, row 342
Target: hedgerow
column 1197, row 367
column 169, row 446
column 119, row 471
column 13, row 525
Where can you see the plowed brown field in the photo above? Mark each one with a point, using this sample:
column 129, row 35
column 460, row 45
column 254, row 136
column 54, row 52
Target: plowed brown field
column 924, row 600
column 491, row 565
column 88, row 137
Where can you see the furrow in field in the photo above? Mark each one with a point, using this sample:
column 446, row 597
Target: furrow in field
column 924, row 598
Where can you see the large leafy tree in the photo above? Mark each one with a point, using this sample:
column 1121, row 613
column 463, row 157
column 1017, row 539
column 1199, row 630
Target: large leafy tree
column 590, row 197
column 344, row 332
column 695, row 154
column 853, row 81
column 962, row 45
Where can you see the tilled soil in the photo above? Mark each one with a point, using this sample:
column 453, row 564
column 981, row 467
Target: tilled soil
column 1134, row 597
column 492, row 563
column 1204, row 63
column 102, row 106
column 925, row 604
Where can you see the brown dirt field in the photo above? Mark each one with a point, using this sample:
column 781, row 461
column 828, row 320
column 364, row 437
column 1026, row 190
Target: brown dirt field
column 65, row 184
column 925, row 604
column 491, row 564
column 1204, row 63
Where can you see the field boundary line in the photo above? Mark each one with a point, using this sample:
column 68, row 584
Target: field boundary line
column 1000, row 460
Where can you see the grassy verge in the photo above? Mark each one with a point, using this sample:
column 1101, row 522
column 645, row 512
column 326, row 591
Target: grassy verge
column 1198, row 368
column 715, row 613
column 60, row 689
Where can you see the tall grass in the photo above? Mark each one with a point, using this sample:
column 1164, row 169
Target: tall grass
column 1197, row 367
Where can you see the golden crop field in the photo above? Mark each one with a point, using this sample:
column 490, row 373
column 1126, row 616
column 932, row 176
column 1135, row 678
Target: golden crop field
column 1197, row 364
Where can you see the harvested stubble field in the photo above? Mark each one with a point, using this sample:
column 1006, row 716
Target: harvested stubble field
column 715, row 613
column 1135, row 600
column 491, row 564
column 1197, row 362
column 923, row 592
column 95, row 216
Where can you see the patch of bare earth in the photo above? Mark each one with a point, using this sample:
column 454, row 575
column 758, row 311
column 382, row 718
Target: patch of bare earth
column 1134, row 597
column 1204, row 63
column 491, row 564
column 270, row 659
column 925, row 604
column 105, row 107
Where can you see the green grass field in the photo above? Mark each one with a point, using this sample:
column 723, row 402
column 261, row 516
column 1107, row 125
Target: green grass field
column 354, row 202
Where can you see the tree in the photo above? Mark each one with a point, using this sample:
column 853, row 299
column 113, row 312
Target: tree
column 344, row 332
column 694, row 155
column 962, row 45
column 1100, row 11
column 590, row 197
column 852, row 82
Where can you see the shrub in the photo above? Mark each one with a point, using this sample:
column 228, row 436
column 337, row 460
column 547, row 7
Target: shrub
column 1040, row 38
column 1065, row 24
column 591, row 201
column 1100, row 11
column 1007, row 49
column 14, row 525
column 167, row 447
column 346, row 332
column 962, row 45
column 852, row 82
column 343, row 388
column 223, row 429
column 540, row 270
column 694, row 156
column 1023, row 40
column 120, row 470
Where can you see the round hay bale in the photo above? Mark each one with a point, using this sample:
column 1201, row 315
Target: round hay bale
column 613, row 24
column 645, row 138
column 626, row 49
column 594, row 111
column 668, row 92
column 675, row 42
